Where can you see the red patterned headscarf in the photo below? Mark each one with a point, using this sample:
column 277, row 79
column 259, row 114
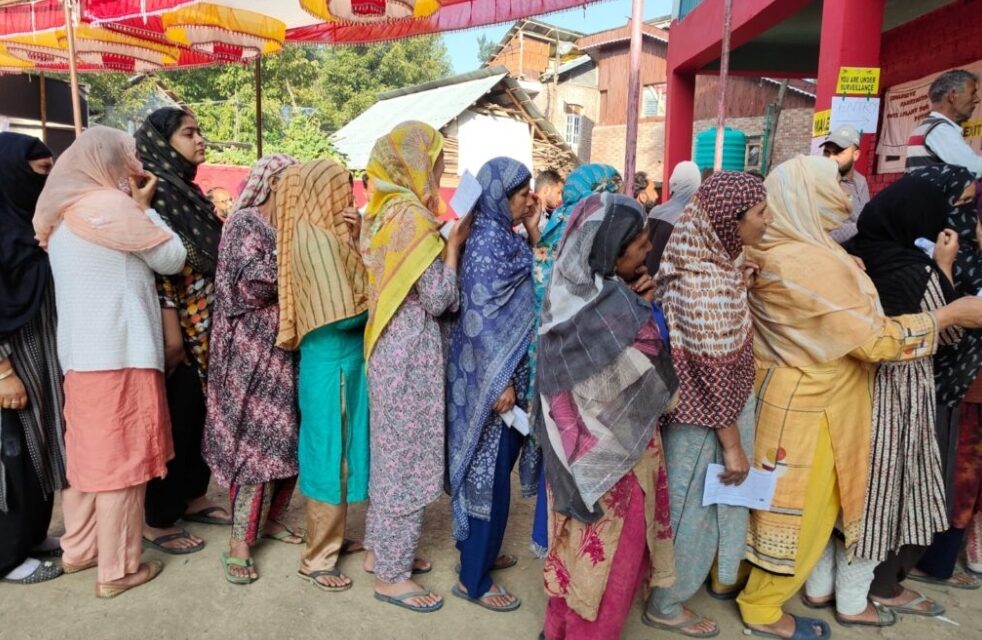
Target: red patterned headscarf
column 701, row 291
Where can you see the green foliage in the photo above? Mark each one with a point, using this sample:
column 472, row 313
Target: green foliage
column 485, row 48
column 309, row 92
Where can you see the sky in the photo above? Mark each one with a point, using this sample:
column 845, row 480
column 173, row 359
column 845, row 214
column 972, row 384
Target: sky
column 600, row 16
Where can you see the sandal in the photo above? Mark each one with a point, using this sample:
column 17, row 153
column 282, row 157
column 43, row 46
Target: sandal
column 804, row 629
column 723, row 596
column 159, row 542
column 679, row 627
column 204, row 516
column 329, row 573
column 504, row 561
column 246, row 563
column 884, row 618
column 817, row 605
column 912, row 609
column 948, row 582
column 352, row 546
column 45, row 571
column 76, row 568
column 285, row 533
column 400, row 601
column 154, row 567
column 481, row 602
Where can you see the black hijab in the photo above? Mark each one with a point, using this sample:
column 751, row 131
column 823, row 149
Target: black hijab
column 179, row 201
column 24, row 270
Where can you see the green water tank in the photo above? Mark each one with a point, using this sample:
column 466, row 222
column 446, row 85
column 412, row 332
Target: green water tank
column 734, row 149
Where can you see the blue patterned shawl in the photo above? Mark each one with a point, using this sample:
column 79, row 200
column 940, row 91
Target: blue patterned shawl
column 489, row 343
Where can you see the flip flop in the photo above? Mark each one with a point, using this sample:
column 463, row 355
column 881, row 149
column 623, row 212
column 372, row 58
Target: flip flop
column 204, row 516
column 804, row 629
column 884, row 618
column 504, row 561
column 245, row 563
column 400, row 601
column 45, row 571
column 911, row 609
column 501, row 591
column 159, row 542
column 285, row 533
column 944, row 583
column 330, row 573
column 679, row 627
column 723, row 596
column 817, row 606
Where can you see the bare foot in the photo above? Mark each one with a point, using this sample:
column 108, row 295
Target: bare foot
column 152, row 533
column 239, row 549
column 870, row 614
column 905, row 598
column 958, row 580
column 334, row 582
column 396, row 589
column 704, row 626
column 496, row 597
column 273, row 528
column 784, row 627
column 418, row 564
column 201, row 503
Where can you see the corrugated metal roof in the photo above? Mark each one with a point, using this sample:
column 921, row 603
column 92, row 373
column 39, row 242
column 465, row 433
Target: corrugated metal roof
column 435, row 106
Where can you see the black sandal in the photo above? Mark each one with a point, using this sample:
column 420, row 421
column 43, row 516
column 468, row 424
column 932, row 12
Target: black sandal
column 159, row 542
column 45, row 571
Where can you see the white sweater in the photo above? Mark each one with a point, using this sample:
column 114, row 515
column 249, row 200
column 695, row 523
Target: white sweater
column 108, row 309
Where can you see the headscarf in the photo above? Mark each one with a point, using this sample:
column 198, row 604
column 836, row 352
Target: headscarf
column 24, row 269
column 916, row 206
column 604, row 375
column 259, row 183
column 685, row 181
column 489, row 341
column 402, row 238
column 811, row 303
column 704, row 298
column 85, row 190
column 320, row 273
column 179, row 201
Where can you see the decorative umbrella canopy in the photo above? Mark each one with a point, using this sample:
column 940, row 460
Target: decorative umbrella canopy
column 227, row 34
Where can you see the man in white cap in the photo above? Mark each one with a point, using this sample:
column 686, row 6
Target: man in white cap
column 842, row 145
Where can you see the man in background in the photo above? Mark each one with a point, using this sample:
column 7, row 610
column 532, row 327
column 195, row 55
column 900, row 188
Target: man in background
column 222, row 199
column 645, row 191
column 938, row 138
column 842, row 145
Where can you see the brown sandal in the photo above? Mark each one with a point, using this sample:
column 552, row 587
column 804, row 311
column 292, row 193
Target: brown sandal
column 154, row 567
column 76, row 568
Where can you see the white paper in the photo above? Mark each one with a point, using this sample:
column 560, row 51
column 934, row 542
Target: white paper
column 446, row 229
column 517, row 420
column 466, row 195
column 925, row 245
column 756, row 492
column 862, row 113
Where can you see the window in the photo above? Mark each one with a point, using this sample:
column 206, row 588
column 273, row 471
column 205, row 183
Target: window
column 653, row 101
column 754, row 154
column 574, row 121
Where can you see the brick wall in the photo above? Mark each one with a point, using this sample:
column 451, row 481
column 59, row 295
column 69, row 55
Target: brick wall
column 572, row 93
column 608, row 147
column 794, row 132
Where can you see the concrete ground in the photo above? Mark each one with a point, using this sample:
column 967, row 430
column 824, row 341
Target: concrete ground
column 191, row 599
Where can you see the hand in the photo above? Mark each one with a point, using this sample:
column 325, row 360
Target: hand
column 353, row 219
column 506, row 401
column 173, row 358
column 13, row 395
column 737, row 466
column 859, row 262
column 460, row 232
column 750, row 271
column 533, row 213
column 644, row 286
column 946, row 248
column 965, row 312
column 144, row 195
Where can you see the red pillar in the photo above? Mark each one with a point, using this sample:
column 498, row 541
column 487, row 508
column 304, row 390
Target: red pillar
column 679, row 114
column 850, row 38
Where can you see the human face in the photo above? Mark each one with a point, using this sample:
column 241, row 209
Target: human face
column 188, row 142
column 554, row 196
column 846, row 158
column 519, row 203
column 438, row 168
column 963, row 101
column 222, row 200
column 42, row 165
column 628, row 266
column 754, row 223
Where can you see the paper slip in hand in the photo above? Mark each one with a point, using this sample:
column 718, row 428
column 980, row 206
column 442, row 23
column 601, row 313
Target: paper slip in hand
column 517, row 420
column 756, row 492
column 468, row 191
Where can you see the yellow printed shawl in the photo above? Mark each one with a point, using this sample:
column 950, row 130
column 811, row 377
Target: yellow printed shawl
column 321, row 275
column 402, row 238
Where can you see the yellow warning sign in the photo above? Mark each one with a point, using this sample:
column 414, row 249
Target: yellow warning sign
column 858, row 81
column 822, row 123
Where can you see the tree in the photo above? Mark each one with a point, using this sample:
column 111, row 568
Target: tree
column 485, row 48
column 309, row 92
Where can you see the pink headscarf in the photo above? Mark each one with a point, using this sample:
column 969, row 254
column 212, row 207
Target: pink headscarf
column 85, row 190
column 257, row 187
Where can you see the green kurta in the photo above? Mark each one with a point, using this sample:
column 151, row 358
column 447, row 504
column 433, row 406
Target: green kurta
column 333, row 395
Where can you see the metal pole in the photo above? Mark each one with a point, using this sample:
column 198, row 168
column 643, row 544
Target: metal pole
column 633, row 96
column 724, row 70
column 73, row 67
column 44, row 109
column 259, row 107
